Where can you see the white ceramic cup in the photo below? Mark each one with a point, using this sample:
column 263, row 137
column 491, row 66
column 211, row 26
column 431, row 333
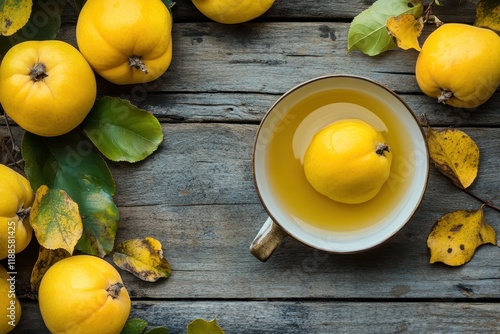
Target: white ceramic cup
column 281, row 222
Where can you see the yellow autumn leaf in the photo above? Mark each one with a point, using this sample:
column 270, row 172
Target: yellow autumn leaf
column 143, row 258
column 46, row 258
column 406, row 29
column 455, row 154
column 488, row 14
column 455, row 237
column 14, row 14
column 202, row 326
column 56, row 220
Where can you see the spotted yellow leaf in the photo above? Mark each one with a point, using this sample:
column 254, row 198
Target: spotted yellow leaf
column 143, row 258
column 56, row 220
column 455, row 237
column 46, row 258
column 14, row 14
column 406, row 29
column 488, row 14
column 455, row 154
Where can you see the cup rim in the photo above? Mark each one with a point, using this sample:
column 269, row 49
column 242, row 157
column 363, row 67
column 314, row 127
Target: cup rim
column 333, row 76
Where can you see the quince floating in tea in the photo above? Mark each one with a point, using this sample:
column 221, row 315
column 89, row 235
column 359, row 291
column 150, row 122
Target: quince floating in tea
column 348, row 161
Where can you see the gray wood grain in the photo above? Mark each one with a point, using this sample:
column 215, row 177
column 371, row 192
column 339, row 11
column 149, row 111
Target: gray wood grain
column 313, row 317
column 196, row 194
column 452, row 11
column 197, row 197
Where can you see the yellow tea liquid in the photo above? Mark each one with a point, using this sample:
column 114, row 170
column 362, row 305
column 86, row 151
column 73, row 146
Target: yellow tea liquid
column 291, row 138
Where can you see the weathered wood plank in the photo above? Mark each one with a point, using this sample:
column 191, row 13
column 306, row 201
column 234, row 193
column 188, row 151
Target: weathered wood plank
column 453, row 11
column 343, row 10
column 275, row 317
column 235, row 73
column 250, row 107
column 266, row 58
column 197, row 197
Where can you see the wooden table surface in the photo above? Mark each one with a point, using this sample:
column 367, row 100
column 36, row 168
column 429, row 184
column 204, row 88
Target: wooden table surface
column 196, row 194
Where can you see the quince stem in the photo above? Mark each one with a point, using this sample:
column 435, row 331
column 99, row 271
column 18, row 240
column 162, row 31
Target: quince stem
column 381, row 148
column 136, row 62
column 114, row 290
column 38, row 72
column 23, row 213
column 445, row 96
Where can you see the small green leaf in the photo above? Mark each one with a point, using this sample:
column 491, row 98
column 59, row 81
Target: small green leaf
column 134, row 326
column 368, row 31
column 69, row 163
column 43, row 24
column 79, row 4
column 201, row 326
column 121, row 131
column 14, row 14
column 158, row 330
column 488, row 14
column 55, row 219
column 168, row 3
column 143, row 258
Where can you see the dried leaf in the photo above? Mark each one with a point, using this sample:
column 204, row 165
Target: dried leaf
column 201, row 326
column 488, row 14
column 46, row 258
column 143, row 258
column 406, row 29
column 456, row 236
column 55, row 219
column 455, row 154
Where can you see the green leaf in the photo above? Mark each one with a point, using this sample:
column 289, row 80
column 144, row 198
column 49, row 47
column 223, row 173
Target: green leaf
column 143, row 258
column 169, row 5
column 368, row 31
column 488, row 14
column 69, row 163
column 201, row 326
column 55, row 219
column 134, row 326
column 121, row 131
column 14, row 14
column 79, row 4
column 43, row 24
column 158, row 330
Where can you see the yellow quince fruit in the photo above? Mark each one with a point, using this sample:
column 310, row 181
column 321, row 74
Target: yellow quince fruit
column 83, row 294
column 46, row 87
column 233, row 11
column 459, row 65
column 348, row 161
column 9, row 304
column 126, row 41
column 17, row 198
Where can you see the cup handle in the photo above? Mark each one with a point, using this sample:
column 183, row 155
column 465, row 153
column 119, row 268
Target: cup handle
column 267, row 240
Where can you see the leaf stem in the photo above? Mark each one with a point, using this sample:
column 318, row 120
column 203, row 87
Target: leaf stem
column 486, row 203
column 428, row 11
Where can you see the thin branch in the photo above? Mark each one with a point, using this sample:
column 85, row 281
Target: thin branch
column 14, row 151
column 486, row 203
